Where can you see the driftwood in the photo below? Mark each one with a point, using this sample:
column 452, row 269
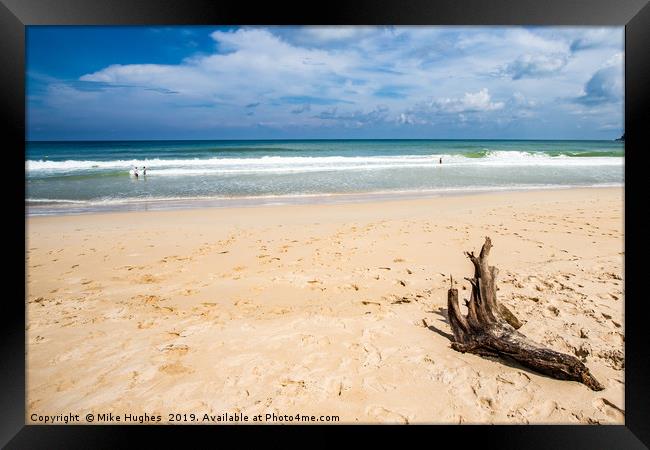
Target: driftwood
column 490, row 329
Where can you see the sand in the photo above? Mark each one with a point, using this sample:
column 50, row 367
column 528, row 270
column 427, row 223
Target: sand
column 323, row 310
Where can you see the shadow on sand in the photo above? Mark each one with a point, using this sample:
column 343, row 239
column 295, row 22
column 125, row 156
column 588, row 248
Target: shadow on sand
column 442, row 313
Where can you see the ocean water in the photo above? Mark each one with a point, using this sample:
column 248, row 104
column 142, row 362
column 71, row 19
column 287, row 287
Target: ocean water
column 77, row 177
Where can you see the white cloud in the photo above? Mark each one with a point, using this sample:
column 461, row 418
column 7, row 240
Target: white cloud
column 616, row 60
column 520, row 100
column 605, row 86
column 470, row 102
column 298, row 74
column 323, row 34
column 535, row 66
column 257, row 63
column 404, row 118
column 471, row 106
column 357, row 118
column 536, row 43
column 117, row 73
column 594, row 38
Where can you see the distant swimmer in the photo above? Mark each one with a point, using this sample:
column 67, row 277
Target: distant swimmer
column 135, row 171
column 144, row 171
column 440, row 161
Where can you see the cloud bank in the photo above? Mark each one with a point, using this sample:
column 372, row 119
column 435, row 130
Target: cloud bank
column 355, row 81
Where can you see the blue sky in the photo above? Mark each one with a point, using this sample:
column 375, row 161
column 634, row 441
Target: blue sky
column 324, row 82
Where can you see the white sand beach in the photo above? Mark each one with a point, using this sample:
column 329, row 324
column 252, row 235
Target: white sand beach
column 335, row 309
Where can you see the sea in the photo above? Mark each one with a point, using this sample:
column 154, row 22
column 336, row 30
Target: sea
column 94, row 176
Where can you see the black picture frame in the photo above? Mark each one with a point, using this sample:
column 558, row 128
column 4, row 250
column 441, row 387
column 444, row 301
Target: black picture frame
column 15, row 15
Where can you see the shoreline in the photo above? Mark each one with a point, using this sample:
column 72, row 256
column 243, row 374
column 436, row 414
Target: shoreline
column 42, row 209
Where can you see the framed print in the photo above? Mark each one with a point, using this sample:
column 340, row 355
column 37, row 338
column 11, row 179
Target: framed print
column 360, row 215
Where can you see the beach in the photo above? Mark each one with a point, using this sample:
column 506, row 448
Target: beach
column 327, row 310
column 87, row 177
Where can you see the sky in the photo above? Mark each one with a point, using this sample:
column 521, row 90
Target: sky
column 405, row 82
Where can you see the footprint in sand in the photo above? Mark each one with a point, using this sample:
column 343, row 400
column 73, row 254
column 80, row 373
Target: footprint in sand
column 610, row 409
column 517, row 383
column 146, row 299
column 74, row 354
column 381, row 414
column 65, row 385
column 175, row 369
column 374, row 384
column 546, row 410
column 175, row 349
column 38, row 339
column 118, row 313
column 613, row 358
column 147, row 279
column 146, row 324
column 292, row 387
column 373, row 356
column 554, row 311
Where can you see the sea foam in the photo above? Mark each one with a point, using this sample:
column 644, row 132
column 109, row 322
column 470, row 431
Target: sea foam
column 285, row 164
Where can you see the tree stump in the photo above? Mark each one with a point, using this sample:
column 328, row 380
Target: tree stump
column 490, row 329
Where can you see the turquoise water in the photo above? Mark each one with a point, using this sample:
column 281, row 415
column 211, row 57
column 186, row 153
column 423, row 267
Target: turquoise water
column 64, row 177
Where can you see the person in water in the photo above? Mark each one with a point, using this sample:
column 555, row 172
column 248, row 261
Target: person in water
column 144, row 171
column 135, row 171
column 440, row 161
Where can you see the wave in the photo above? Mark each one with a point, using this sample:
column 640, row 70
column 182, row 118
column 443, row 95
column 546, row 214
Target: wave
column 587, row 154
column 292, row 164
column 55, row 200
